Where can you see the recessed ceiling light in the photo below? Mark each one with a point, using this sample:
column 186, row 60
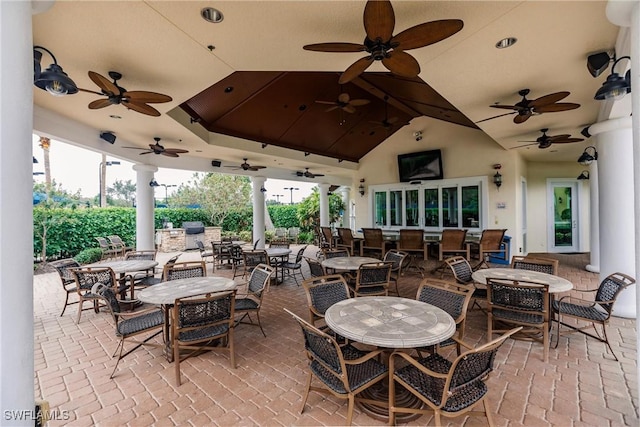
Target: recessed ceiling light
column 212, row 15
column 228, row 89
column 506, row 42
column 114, row 116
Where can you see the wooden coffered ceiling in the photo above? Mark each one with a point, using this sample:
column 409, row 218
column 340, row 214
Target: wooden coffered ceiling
column 279, row 108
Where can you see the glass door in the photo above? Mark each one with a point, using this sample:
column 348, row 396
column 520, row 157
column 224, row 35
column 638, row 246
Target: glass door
column 563, row 218
column 412, row 208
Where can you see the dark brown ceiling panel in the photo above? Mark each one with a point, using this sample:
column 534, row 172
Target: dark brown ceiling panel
column 280, row 108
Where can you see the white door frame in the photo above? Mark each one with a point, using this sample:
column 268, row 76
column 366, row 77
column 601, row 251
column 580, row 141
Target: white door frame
column 575, row 217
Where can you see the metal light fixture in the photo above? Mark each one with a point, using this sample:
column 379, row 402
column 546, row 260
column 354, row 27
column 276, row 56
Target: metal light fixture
column 583, row 175
column 615, row 87
column 588, row 156
column 263, row 190
column 361, row 187
column 154, row 183
column 54, row 80
column 497, row 178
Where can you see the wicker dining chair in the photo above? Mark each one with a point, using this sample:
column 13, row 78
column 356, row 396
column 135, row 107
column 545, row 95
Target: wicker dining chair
column 63, row 267
column 519, row 303
column 343, row 371
column 396, row 258
column 452, row 243
column 451, row 297
column 202, row 322
column 136, row 277
column 592, row 312
column 251, row 301
column 448, row 389
column 315, row 267
column 491, row 243
column 129, row 325
column 542, row 265
column 348, row 241
column 85, row 279
column 106, row 249
column 145, row 281
column 322, row 292
column 372, row 279
column 119, row 245
column 373, row 242
column 184, row 270
column 294, row 268
column 462, row 271
column 250, row 259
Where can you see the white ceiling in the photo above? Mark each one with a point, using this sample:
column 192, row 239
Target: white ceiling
column 161, row 46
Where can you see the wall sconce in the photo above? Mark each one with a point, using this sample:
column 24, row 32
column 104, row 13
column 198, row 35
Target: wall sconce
column 497, row 178
column 154, row 183
column 361, row 187
column 588, row 156
column 583, row 175
column 263, row 190
column 53, row 79
column 615, row 87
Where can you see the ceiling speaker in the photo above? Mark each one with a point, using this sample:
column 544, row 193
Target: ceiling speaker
column 216, row 163
column 597, row 63
column 108, row 136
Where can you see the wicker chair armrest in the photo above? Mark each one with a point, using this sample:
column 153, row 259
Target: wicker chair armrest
column 134, row 314
column 579, row 301
column 408, row 358
column 364, row 358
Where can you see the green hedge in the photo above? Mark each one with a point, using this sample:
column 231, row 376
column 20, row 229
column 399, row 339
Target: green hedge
column 284, row 216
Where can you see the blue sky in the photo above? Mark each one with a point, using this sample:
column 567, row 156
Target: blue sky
column 78, row 169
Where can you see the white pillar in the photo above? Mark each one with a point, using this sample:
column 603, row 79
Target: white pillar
column 616, row 206
column 345, row 192
column 145, row 207
column 16, row 215
column 323, row 189
column 594, row 220
column 258, row 210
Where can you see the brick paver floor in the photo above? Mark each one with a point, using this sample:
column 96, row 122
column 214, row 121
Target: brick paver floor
column 581, row 385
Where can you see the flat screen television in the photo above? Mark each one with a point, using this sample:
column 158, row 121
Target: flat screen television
column 422, row 166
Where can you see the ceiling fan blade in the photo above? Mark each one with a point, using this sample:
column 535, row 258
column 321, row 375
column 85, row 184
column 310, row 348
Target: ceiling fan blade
column 317, row 174
column 90, row 91
column 99, row 103
column 495, row 117
column 147, row 152
column 526, row 141
column 379, row 20
column 568, row 140
column 169, row 154
column 427, row 33
column 549, row 99
column 258, row 167
column 505, row 107
column 326, row 102
column 359, row 102
column 349, row 109
column 335, row 47
column 141, row 108
column 104, row 83
column 521, row 118
column 344, row 98
column 136, row 148
column 402, row 64
column 331, row 108
column 555, row 138
column 176, row 150
column 355, row 69
column 141, row 96
column 554, row 108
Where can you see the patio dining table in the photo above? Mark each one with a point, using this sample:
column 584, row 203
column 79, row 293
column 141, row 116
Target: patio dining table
column 165, row 294
column 556, row 284
column 280, row 255
column 123, row 267
column 392, row 323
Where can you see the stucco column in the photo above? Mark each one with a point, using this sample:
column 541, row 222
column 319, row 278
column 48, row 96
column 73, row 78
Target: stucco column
column 616, row 206
column 324, row 204
column 345, row 193
column 145, row 207
column 258, row 210
column 594, row 220
column 16, row 215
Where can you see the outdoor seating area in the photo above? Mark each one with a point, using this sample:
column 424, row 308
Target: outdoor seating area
column 270, row 382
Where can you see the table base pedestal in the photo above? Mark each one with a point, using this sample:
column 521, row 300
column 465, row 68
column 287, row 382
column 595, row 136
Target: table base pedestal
column 380, row 392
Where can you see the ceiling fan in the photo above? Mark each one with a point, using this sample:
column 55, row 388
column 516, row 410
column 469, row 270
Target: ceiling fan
column 159, row 149
column 545, row 141
column 345, row 103
column 528, row 107
column 382, row 45
column 133, row 100
column 246, row 166
column 308, row 174
column 387, row 123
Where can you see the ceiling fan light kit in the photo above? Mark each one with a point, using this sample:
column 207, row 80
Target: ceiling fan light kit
column 54, row 80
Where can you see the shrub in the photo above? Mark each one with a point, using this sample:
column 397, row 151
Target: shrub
column 305, row 237
column 89, row 256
